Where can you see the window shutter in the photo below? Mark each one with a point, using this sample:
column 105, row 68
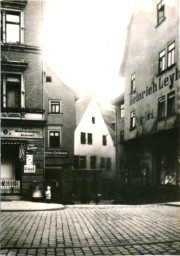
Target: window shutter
column 22, row 28
column 22, row 92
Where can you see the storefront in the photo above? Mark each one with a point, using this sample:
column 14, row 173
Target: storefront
column 58, row 175
column 152, row 166
column 22, row 160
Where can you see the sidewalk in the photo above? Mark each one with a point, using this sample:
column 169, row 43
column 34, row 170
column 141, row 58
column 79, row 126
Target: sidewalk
column 177, row 204
column 29, row 206
column 16, row 206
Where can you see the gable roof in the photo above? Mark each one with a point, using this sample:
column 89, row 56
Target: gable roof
column 107, row 115
column 81, row 106
column 49, row 72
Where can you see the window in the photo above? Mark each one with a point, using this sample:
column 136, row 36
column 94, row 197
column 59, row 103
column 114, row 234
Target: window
column 12, row 91
column 83, row 138
column 133, row 82
column 161, row 107
column 93, row 120
column 93, row 162
column 12, row 27
column 122, row 111
column 171, row 103
column 162, row 61
column 171, row 51
column 160, row 12
column 79, row 162
column 102, row 163
column 104, row 140
column 90, row 138
column 54, row 106
column 108, row 164
column 133, row 120
column 121, row 135
column 82, row 161
column 54, row 139
column 48, row 79
column 76, row 162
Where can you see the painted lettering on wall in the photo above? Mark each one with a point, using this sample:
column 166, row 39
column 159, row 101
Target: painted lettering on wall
column 145, row 117
column 161, row 83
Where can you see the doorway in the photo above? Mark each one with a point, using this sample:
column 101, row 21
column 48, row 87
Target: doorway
column 53, row 179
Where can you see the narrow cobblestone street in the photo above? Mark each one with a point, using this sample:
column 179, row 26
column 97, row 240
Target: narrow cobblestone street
column 92, row 230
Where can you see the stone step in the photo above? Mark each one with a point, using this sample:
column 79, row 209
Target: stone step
column 11, row 197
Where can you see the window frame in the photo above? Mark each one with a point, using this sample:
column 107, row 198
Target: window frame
column 161, row 107
column 132, row 120
column 102, row 162
column 104, row 140
column 121, row 136
column 171, row 102
column 53, row 102
column 4, row 30
column 49, row 78
column 122, row 111
column 54, row 129
column 89, row 138
column 133, row 82
column 4, row 76
column 169, row 53
column 162, row 59
column 83, row 141
column 160, row 6
column 78, row 163
column 84, row 165
column 108, row 164
column 93, row 165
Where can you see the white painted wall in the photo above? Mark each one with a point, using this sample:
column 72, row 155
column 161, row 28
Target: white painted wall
column 98, row 129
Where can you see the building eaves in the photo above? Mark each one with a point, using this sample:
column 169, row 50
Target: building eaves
column 119, row 99
column 14, row 4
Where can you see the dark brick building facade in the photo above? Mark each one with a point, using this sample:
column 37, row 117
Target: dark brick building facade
column 22, row 115
column 59, row 103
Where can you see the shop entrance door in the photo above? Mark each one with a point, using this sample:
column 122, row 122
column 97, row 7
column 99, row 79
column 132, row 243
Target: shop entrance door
column 11, row 170
column 53, row 179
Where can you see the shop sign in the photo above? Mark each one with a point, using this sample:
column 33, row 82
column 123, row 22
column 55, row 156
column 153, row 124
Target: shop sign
column 29, row 168
column 154, row 87
column 29, row 159
column 57, row 153
column 21, row 132
column 31, row 147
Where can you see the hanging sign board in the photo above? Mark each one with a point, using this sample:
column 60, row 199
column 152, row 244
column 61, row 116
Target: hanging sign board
column 29, row 168
column 29, row 159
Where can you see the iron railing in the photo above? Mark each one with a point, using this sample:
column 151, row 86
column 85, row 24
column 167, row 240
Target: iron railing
column 9, row 186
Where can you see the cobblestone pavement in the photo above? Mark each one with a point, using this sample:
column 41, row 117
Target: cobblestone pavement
column 92, row 230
